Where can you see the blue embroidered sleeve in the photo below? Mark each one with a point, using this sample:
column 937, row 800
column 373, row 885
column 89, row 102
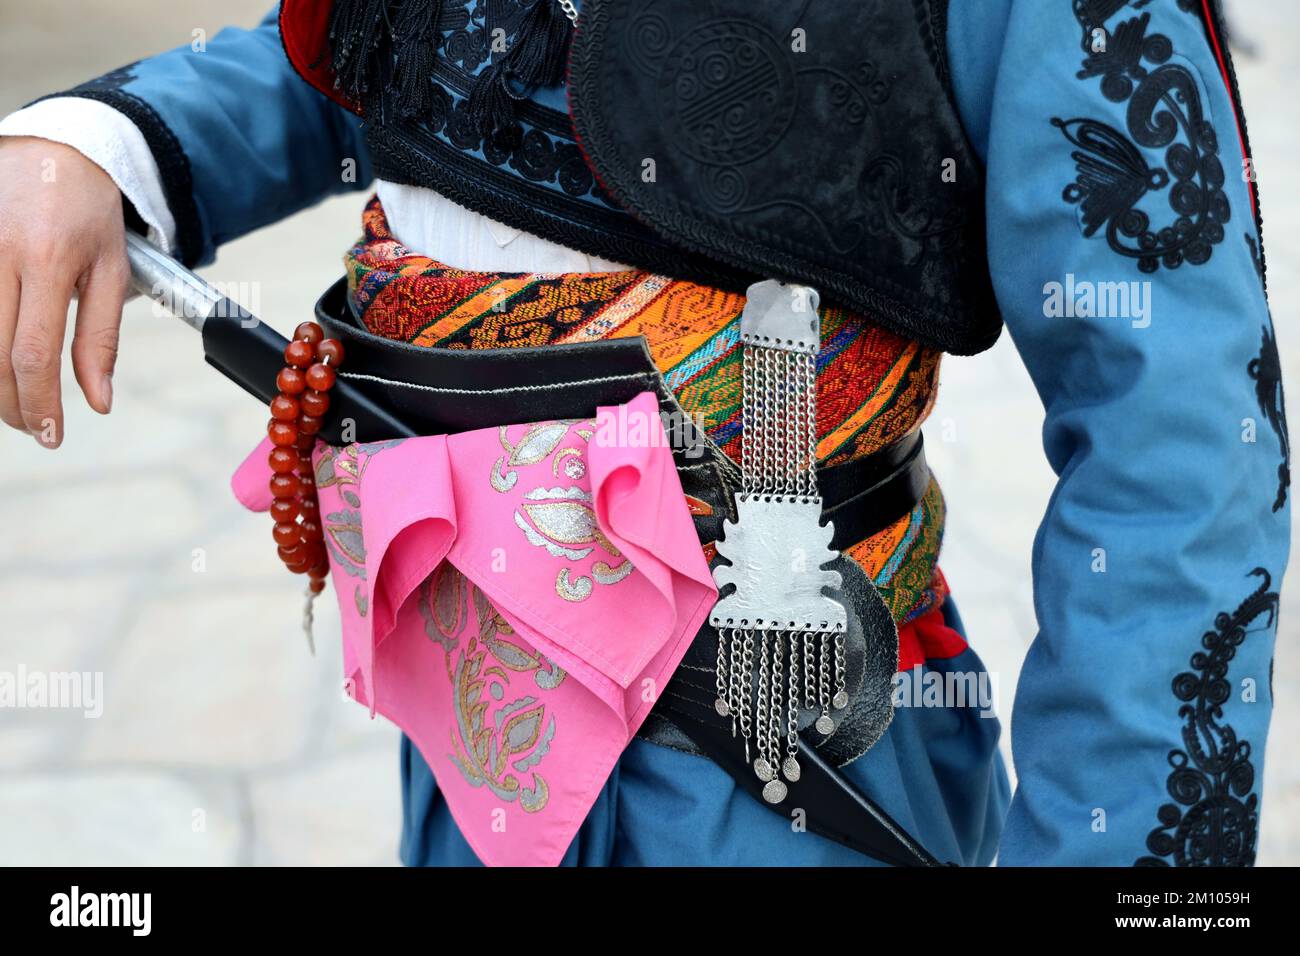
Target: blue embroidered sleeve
column 240, row 140
column 1127, row 263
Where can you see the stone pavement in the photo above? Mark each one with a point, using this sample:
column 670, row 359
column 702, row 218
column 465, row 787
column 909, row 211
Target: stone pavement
column 221, row 741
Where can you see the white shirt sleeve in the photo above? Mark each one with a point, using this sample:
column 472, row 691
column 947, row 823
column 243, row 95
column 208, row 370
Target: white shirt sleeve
column 421, row 219
column 110, row 141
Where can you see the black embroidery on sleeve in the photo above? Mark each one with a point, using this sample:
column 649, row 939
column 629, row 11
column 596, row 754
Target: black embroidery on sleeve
column 1093, row 14
column 113, row 79
column 1256, row 259
column 1214, row 818
column 1266, row 370
column 1164, row 113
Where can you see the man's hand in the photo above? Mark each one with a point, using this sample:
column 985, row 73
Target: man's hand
column 61, row 232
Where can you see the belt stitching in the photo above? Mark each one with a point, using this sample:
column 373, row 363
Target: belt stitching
column 357, row 376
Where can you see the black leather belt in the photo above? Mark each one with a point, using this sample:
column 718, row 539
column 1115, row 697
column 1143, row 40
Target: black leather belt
column 440, row 391
column 444, row 391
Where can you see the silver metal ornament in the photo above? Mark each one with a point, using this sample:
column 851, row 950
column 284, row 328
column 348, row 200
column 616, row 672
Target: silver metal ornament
column 777, row 549
column 774, row 791
column 773, row 576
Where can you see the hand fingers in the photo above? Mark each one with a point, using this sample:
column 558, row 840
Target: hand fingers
column 37, row 349
column 9, row 291
column 99, row 318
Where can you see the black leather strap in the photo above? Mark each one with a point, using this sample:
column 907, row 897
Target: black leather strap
column 868, row 495
column 834, row 807
column 444, row 391
column 437, row 391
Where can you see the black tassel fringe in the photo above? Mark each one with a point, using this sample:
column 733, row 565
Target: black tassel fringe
column 491, row 105
column 537, row 56
column 415, row 42
column 360, row 32
column 357, row 30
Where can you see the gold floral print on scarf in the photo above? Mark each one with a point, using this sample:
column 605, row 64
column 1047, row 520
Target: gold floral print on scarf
column 559, row 518
column 343, row 537
column 502, row 734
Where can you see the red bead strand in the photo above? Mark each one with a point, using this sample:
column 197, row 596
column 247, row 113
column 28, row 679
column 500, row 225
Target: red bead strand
column 304, row 383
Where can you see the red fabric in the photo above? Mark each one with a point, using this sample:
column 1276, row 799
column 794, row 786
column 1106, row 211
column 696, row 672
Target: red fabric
column 304, row 31
column 927, row 638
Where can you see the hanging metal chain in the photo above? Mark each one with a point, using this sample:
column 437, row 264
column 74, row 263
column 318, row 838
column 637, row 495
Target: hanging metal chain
column 808, row 414
column 824, row 724
column 767, row 427
column 798, row 435
column 775, row 790
column 735, row 668
column 569, row 9
column 790, row 767
column 778, row 414
column 762, row 766
column 808, row 665
column 720, row 676
column 777, row 713
column 778, row 510
column 746, row 669
column 750, row 450
column 776, row 426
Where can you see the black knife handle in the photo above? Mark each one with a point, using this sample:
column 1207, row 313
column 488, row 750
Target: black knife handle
column 251, row 354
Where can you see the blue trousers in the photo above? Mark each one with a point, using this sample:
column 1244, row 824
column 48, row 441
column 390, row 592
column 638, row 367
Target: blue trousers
column 937, row 771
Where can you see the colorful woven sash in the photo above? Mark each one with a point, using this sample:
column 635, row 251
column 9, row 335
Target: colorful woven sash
column 874, row 387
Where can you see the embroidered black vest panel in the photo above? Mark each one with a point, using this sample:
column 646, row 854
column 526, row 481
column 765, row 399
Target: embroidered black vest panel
column 731, row 140
column 819, row 145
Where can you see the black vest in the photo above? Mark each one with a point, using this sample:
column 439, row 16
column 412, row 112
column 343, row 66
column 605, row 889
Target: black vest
column 724, row 141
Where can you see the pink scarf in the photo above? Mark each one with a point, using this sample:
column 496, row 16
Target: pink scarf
column 513, row 598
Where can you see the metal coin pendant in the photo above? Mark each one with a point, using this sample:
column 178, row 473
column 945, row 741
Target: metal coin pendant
column 840, row 700
column 721, row 707
column 763, row 769
column 791, row 769
column 825, row 725
column 775, row 791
